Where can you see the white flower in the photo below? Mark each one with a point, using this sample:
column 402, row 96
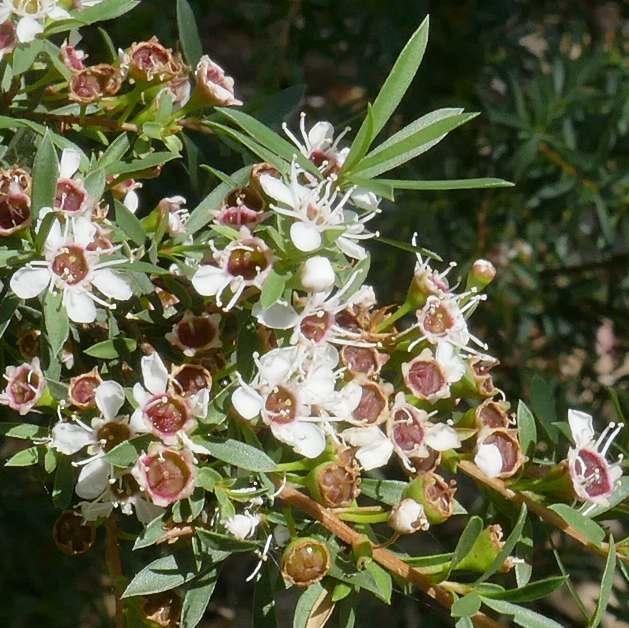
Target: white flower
column 317, row 210
column 212, row 82
column 104, row 433
column 195, row 334
column 31, row 15
column 594, row 479
column 74, row 269
column 25, row 386
column 374, row 448
column 408, row 517
column 244, row 262
column 317, row 274
column 172, row 208
column 242, row 526
column 71, row 197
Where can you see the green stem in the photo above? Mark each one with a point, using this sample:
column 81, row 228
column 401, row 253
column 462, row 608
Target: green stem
column 403, row 310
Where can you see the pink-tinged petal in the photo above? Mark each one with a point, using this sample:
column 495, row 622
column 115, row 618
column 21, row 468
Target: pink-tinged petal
column 210, row 280
column 27, row 29
column 110, row 398
column 305, row 236
column 93, row 479
column 27, row 282
column 154, row 373
column 68, row 438
column 79, row 306
column 141, row 395
column 306, row 439
column 138, row 423
column 489, row 460
column 111, row 284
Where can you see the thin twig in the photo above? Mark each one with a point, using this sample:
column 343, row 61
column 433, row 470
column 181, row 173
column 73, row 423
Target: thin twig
column 384, row 557
column 547, row 515
column 101, row 121
column 114, row 565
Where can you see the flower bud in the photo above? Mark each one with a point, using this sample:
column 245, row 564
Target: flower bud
column 334, row 484
column 408, row 517
column 481, row 275
column 72, row 534
column 486, row 548
column 498, row 453
column 435, row 495
column 317, row 274
column 28, row 342
column 477, row 381
column 305, row 561
column 213, row 85
column 15, row 178
column 81, row 391
column 94, row 82
column 166, row 475
column 162, row 610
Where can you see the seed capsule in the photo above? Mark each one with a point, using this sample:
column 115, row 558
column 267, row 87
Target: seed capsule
column 305, row 561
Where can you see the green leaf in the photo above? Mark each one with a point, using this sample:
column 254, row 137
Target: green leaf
column 203, row 212
column 467, row 605
column 125, row 454
column 467, row 539
column 543, row 404
column 446, row 184
column 269, row 138
column 382, row 579
column 521, row 616
column 238, row 454
column 579, row 522
column 25, row 431
column 197, row 598
column 24, row 56
column 530, row 592
column 411, row 141
column 45, row 175
column 111, row 349
column 272, row 289
column 464, row 622
column 526, row 427
column 385, row 491
column 315, row 602
column 95, row 183
column 508, row 546
column 361, row 142
column 398, row 81
column 8, row 306
column 224, row 542
column 24, row 458
column 606, row 585
column 153, row 531
column 188, row 34
column 114, row 152
column 150, row 161
column 57, row 322
column 63, row 487
column 129, row 223
column 162, row 574
column 44, row 230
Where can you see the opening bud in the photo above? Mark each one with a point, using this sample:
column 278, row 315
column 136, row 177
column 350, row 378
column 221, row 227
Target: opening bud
column 373, row 407
column 317, row 274
column 481, row 275
column 81, row 391
column 486, row 548
column 408, row 517
column 305, row 561
column 364, row 361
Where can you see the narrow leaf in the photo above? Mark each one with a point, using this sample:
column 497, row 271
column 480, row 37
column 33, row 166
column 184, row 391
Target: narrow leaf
column 237, row 453
column 468, row 537
column 446, row 184
column 580, row 522
column 129, row 223
column 57, row 322
column 188, row 33
column 197, row 598
column 45, row 175
column 606, row 585
column 526, row 427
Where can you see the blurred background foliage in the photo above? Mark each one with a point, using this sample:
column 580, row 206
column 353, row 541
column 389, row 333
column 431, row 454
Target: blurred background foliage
column 551, row 79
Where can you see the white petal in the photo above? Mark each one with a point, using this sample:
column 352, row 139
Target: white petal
column 364, row 199
column 70, row 161
column 580, row 427
column 29, row 282
column 442, row 437
column 111, row 284
column 350, row 248
column 137, row 422
column 84, row 230
column 5, row 12
column 321, row 135
column 278, row 316
column 27, row 29
column 210, row 280
column 132, row 201
column 489, row 460
column 305, row 236
column 68, row 438
column 199, row 403
column 110, row 398
column 57, row 13
column 362, row 436
column 318, row 386
column 141, row 395
column 154, row 373
column 306, row 439
column 54, row 239
column 93, row 479
column 375, row 455
column 246, row 402
column 277, row 190
column 277, row 364
column 79, row 306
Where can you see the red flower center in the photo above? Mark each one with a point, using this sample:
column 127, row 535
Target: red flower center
column 437, row 319
column 492, row 415
column 70, row 264
column 595, row 472
column 372, row 403
column 316, row 326
column 425, row 378
column 167, row 474
column 14, row 211
column 196, row 332
column 70, row 196
column 167, row 414
column 281, row 405
column 247, row 262
column 361, row 359
column 113, row 433
column 508, row 449
column 408, row 432
column 192, row 378
column 82, row 390
column 149, row 56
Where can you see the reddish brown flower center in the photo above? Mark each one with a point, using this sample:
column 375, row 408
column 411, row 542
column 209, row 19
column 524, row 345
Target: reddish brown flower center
column 238, row 216
column 492, row 415
column 437, row 319
column 306, row 562
column 113, row 433
column 247, row 262
column 508, row 448
column 196, row 332
column 167, row 413
column 70, row 196
column 72, row 535
column 281, row 405
column 70, row 264
column 82, row 390
column 316, row 326
column 14, row 211
column 149, row 56
column 167, row 474
column 24, row 386
column 85, row 85
column 192, row 378
column 372, row 403
column 408, row 432
column 425, row 378
column 7, row 35
column 361, row 359
column 595, row 471
column 439, row 494
column 336, row 485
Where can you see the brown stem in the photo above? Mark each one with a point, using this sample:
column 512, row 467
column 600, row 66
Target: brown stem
column 384, row 557
column 102, row 121
column 114, row 566
column 547, row 515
